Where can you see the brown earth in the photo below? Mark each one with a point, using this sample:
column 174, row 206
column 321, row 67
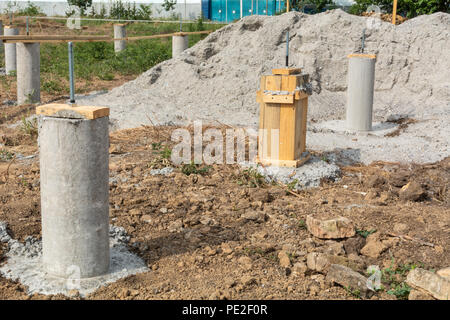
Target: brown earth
column 211, row 235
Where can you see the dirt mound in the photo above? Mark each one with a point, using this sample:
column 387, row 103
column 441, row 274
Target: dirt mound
column 217, row 78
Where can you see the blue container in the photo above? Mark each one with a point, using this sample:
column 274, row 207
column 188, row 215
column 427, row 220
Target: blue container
column 229, row 11
column 206, row 9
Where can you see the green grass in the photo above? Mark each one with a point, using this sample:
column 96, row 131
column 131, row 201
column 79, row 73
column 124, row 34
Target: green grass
column 98, row 59
column 193, row 168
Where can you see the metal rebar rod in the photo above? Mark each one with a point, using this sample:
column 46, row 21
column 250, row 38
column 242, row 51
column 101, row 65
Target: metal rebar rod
column 287, row 48
column 28, row 27
column 363, row 40
column 71, row 77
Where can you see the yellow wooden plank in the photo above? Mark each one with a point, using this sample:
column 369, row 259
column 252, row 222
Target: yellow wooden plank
column 303, row 124
column 361, row 55
column 271, row 114
column 286, row 71
column 262, row 108
column 284, row 163
column 68, row 111
column 278, row 98
column 299, row 95
column 287, row 121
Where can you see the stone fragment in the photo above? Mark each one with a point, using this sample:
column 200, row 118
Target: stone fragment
column 335, row 228
column 412, row 192
column 374, row 247
column 349, row 279
column 284, row 260
column 419, row 295
column 434, row 284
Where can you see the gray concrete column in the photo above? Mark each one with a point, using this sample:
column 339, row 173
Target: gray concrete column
column 28, row 73
column 179, row 44
column 10, row 50
column 361, row 78
column 119, row 32
column 74, row 195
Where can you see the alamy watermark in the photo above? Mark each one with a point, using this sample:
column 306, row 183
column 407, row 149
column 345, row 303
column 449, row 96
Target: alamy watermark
column 239, row 145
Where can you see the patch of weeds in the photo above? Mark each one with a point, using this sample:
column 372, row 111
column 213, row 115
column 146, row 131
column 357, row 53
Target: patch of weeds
column 29, row 126
column 401, row 291
column 193, row 168
column 156, row 145
column 52, row 87
column 365, row 233
column 106, row 76
column 260, row 253
column 251, row 177
column 354, row 292
column 162, row 158
column 395, row 279
column 291, row 185
column 324, row 158
column 302, row 224
column 5, row 155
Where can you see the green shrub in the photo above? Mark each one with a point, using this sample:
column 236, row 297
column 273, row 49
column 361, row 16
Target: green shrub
column 30, row 10
column 407, row 8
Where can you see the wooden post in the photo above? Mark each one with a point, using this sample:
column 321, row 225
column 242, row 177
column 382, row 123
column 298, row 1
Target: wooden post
column 394, row 13
column 282, row 120
column 287, row 5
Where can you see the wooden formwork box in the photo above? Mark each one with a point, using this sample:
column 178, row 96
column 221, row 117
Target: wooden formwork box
column 283, row 107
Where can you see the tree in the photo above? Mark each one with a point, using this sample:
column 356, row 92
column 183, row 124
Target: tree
column 320, row 5
column 81, row 4
column 169, row 5
column 408, row 8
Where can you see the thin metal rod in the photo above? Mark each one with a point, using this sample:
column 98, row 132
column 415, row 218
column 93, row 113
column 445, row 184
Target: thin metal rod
column 287, row 48
column 363, row 40
column 71, row 78
column 181, row 24
column 28, row 27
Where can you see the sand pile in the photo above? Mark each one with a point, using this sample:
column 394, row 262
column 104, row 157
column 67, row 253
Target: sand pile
column 218, row 77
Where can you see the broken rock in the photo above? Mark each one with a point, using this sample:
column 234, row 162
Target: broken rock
column 412, row 192
column 374, row 247
column 283, row 257
column 434, row 284
column 335, row 228
column 354, row 245
column 445, row 273
column 419, row 295
column 348, row 278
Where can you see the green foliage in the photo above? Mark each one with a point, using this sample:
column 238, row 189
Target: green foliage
column 318, row 5
column 80, row 4
column 401, row 291
column 53, row 87
column 302, row 224
column 30, row 10
column 395, row 276
column 291, row 185
column 29, row 126
column 98, row 59
column 407, row 8
column 193, row 168
column 129, row 11
column 365, row 233
column 5, row 155
column 169, row 5
column 251, row 177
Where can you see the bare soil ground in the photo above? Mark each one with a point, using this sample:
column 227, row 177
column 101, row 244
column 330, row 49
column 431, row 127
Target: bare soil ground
column 194, row 232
